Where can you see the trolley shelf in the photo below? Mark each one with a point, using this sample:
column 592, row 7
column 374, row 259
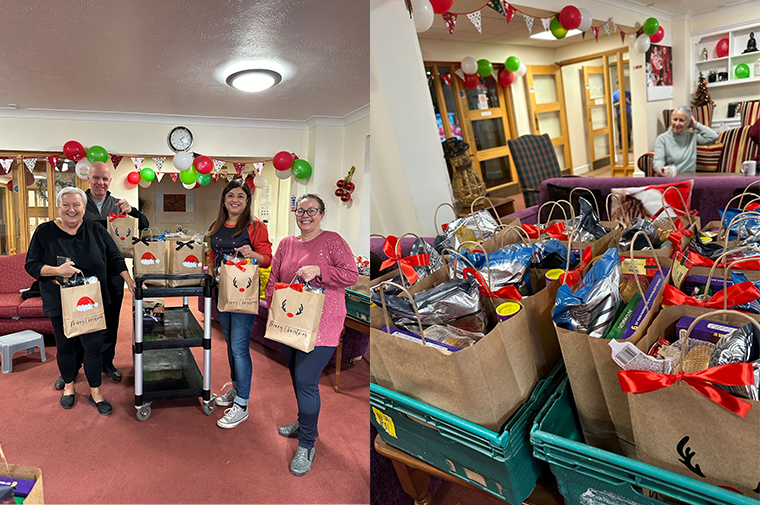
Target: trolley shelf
column 179, row 329
column 171, row 373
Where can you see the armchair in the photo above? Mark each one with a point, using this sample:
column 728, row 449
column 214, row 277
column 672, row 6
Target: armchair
column 535, row 161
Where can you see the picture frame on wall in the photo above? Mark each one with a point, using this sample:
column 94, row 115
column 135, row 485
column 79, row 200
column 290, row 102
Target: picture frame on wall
column 659, row 65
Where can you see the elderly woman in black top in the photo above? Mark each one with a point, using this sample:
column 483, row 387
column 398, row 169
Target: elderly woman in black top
column 91, row 252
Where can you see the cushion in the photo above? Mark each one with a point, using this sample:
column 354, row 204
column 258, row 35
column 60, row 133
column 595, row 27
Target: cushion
column 750, row 112
column 31, row 307
column 703, row 113
column 737, row 147
column 708, row 157
column 555, row 192
column 646, row 201
column 9, row 303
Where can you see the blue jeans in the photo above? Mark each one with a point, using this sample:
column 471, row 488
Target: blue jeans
column 237, row 327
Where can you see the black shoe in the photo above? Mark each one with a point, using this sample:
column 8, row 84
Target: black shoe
column 67, row 401
column 59, row 383
column 112, row 372
column 103, row 407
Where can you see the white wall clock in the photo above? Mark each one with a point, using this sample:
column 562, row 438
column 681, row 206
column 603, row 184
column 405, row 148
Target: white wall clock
column 180, row 139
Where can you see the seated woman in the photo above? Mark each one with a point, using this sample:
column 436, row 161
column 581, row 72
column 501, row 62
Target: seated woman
column 678, row 145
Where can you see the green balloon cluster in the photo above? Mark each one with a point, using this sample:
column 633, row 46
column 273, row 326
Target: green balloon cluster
column 301, row 169
column 556, row 28
column 485, row 68
column 741, row 71
column 147, row 174
column 204, row 179
column 512, row 63
column 189, row 176
column 97, row 153
column 651, row 26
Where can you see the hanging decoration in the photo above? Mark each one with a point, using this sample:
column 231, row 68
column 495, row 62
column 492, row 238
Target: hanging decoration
column 570, row 17
column 446, row 79
column 6, row 164
column 160, row 175
column 451, row 21
column 230, row 177
column 138, row 161
column 239, row 167
column 174, row 176
column 424, row 15
column 116, row 159
column 97, row 153
column 133, row 177
column 53, row 160
column 73, row 150
column 547, row 22
column 159, row 161
column 459, row 73
column 301, row 169
column 496, row 5
column 203, row 165
column 528, row 22
column 475, row 18
column 606, row 27
column 345, row 186
column 259, row 167
column 596, row 32
column 30, row 162
column 510, row 13
column 218, row 164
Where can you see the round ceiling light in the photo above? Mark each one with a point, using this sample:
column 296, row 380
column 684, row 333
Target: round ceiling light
column 253, row 80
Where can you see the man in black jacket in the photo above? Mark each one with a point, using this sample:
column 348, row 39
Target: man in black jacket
column 100, row 204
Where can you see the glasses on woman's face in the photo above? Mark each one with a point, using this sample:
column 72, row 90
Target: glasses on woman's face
column 312, row 211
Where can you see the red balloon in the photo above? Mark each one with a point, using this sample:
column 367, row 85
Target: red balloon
column 659, row 34
column 197, row 185
column 441, row 6
column 570, row 17
column 283, row 160
column 249, row 181
column 471, row 81
column 133, row 177
column 203, row 164
column 722, row 49
column 506, row 78
column 29, row 179
column 73, row 150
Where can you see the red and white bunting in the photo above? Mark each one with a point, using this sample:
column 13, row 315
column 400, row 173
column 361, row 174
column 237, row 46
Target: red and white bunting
column 622, row 37
column 631, row 38
column 159, row 161
column 476, row 20
column 260, row 165
column 447, row 79
column 596, row 32
column 218, row 164
column 460, row 73
column 547, row 22
column 606, row 27
column 137, row 161
column 528, row 22
column 509, row 12
column 6, row 164
column 159, row 175
column 614, row 25
column 238, row 167
column 30, row 162
column 174, row 177
column 115, row 160
column 451, row 21
column 215, row 177
column 53, row 160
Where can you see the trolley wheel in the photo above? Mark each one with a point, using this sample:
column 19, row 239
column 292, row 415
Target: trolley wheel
column 143, row 413
column 208, row 408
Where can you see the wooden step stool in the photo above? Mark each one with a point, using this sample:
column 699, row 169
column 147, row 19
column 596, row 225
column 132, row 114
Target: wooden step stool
column 14, row 342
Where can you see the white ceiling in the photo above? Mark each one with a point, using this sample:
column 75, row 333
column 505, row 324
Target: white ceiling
column 170, row 56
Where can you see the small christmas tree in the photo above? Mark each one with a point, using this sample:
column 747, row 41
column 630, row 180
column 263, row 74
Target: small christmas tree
column 702, row 96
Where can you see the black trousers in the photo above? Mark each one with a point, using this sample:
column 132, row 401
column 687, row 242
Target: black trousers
column 112, row 313
column 67, row 353
column 629, row 122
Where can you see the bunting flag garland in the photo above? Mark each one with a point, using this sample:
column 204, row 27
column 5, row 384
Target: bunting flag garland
column 53, row 160
column 230, row 177
column 239, row 167
column 30, row 162
column 446, row 79
column 259, row 167
column 218, row 164
column 614, row 25
column 622, row 37
column 632, row 38
column 174, row 177
column 451, row 21
column 547, row 22
column 137, row 161
column 460, row 73
column 528, row 22
column 476, row 20
column 510, row 12
column 606, row 27
column 115, row 160
column 596, row 32
column 583, row 35
column 159, row 163
column 159, row 175
column 6, row 164
column 215, row 177
column 496, row 5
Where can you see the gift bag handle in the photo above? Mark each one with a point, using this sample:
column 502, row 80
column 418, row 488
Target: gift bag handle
column 472, row 213
column 593, row 196
column 460, row 255
column 625, row 222
column 381, row 288
column 636, row 270
column 488, row 268
column 554, row 204
column 685, row 335
column 666, row 206
column 7, row 467
column 754, row 196
column 435, row 215
column 726, row 268
column 517, row 229
column 744, row 216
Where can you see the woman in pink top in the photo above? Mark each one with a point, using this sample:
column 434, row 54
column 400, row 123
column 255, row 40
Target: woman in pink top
column 323, row 259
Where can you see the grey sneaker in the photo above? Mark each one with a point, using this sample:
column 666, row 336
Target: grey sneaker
column 228, row 398
column 290, row 430
column 301, row 463
column 232, row 417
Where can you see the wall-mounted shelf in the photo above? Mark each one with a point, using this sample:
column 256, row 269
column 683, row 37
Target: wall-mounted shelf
column 737, row 36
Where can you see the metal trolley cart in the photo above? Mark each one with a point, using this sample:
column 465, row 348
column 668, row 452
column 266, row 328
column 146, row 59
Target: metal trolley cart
column 165, row 367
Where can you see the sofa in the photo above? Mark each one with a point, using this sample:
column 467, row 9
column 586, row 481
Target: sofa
column 17, row 314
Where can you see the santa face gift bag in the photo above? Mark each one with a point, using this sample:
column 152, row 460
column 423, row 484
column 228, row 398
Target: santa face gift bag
column 83, row 310
column 122, row 228
column 238, row 286
column 294, row 316
column 185, row 256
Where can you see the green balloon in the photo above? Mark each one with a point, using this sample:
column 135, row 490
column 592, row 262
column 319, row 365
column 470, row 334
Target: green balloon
column 189, row 176
column 557, row 30
column 512, row 63
column 651, row 26
column 147, row 174
column 204, row 179
column 301, row 169
column 97, row 153
column 741, row 71
column 484, row 68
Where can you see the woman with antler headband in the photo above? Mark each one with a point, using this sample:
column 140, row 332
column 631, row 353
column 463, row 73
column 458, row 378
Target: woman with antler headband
column 323, row 259
column 237, row 232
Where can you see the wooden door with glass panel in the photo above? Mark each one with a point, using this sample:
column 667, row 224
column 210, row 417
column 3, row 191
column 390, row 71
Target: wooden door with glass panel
column 597, row 116
column 547, row 110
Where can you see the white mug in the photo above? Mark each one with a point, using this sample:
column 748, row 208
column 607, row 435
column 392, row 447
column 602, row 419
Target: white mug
column 669, row 171
column 749, row 168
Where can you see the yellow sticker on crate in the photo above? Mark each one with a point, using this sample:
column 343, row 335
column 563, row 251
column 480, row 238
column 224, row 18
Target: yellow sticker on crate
column 386, row 422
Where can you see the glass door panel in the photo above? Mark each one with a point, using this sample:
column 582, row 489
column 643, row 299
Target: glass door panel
column 596, row 84
column 598, row 117
column 551, row 123
column 597, row 114
column 545, row 88
column 484, row 96
column 444, row 77
column 602, row 145
column 496, row 171
column 547, row 108
column 489, row 133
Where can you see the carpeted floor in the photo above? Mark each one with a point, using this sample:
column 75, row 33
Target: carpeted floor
column 179, row 455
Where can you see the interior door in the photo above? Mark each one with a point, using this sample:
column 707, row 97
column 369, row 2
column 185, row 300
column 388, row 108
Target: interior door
column 597, row 116
column 547, row 108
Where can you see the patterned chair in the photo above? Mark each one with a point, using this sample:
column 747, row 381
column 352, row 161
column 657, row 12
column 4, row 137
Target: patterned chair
column 535, row 160
column 703, row 114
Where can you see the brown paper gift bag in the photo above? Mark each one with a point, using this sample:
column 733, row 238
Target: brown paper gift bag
column 485, row 383
column 35, row 496
column 680, row 430
column 122, row 228
column 184, row 256
column 238, row 287
column 149, row 258
column 294, row 316
column 83, row 310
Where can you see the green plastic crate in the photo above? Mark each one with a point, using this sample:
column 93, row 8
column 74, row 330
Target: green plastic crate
column 501, row 464
column 606, row 477
column 357, row 305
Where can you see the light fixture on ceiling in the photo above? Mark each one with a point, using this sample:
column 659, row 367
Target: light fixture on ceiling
column 547, row 35
column 253, row 80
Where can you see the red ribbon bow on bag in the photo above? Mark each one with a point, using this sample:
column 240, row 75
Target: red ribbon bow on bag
column 556, row 230
column 393, row 251
column 732, row 374
column 282, row 285
column 508, row 292
column 113, row 217
column 239, row 264
column 738, row 294
column 573, row 277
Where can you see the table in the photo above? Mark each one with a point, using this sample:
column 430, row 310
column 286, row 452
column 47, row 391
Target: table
column 415, row 474
column 354, row 324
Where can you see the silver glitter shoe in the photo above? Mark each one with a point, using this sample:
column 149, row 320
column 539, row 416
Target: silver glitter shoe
column 290, row 430
column 301, row 463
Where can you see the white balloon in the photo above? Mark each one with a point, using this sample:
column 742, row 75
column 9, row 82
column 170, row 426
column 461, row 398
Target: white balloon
column 586, row 19
column 144, row 184
column 260, row 181
column 188, row 186
column 423, row 15
column 469, row 65
column 183, row 160
column 642, row 43
column 282, row 174
column 83, row 168
column 521, row 71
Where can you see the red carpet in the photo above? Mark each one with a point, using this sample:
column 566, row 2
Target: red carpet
column 179, row 455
